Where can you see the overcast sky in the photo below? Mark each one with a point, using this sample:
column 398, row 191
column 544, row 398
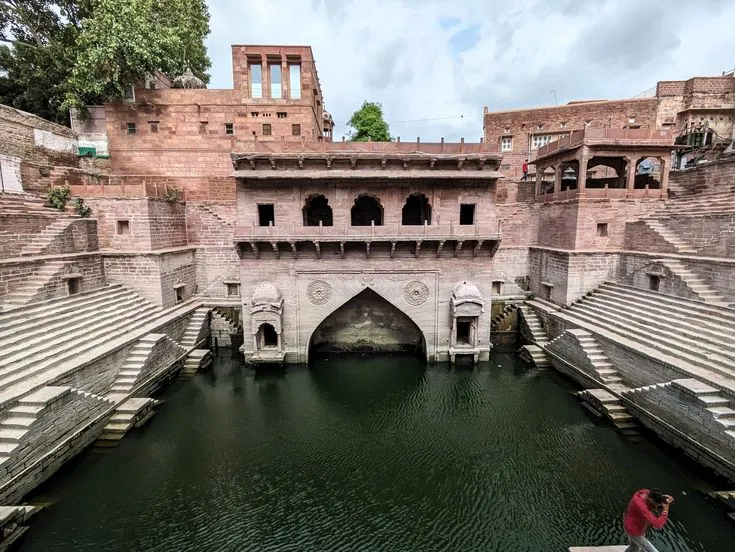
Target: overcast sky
column 434, row 64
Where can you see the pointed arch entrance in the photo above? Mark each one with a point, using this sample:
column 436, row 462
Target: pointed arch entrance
column 367, row 323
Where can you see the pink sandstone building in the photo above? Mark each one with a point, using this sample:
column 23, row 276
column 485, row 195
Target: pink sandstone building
column 232, row 214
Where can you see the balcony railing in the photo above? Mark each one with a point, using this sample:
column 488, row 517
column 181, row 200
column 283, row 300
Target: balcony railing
column 451, row 231
column 282, row 146
column 637, row 135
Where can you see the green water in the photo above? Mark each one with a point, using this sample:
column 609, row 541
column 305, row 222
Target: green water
column 370, row 454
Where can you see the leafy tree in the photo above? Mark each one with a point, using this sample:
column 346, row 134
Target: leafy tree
column 70, row 53
column 368, row 123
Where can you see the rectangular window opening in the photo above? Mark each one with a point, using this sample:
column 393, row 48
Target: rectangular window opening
column 282, row 114
column 506, row 144
column 179, row 290
column 203, row 127
column 254, row 113
column 229, row 128
column 256, row 80
column 275, row 71
column 296, row 130
column 294, row 80
column 467, row 213
column 266, row 214
column 602, row 229
column 154, row 127
column 131, row 128
column 72, row 285
column 123, row 227
column 267, row 129
column 233, row 290
column 497, row 287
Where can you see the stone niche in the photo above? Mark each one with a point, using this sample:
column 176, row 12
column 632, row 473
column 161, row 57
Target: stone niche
column 266, row 316
column 466, row 306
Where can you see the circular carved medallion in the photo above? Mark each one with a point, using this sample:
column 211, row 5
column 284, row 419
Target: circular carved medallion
column 415, row 293
column 319, row 292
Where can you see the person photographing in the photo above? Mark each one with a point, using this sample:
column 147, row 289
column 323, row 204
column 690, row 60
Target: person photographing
column 645, row 508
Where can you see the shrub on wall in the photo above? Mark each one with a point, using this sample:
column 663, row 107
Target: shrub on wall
column 83, row 210
column 173, row 195
column 58, row 196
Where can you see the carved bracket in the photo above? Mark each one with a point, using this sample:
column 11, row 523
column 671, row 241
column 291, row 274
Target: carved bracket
column 274, row 245
column 255, row 249
column 367, row 249
column 476, row 251
column 392, row 249
column 418, row 248
column 341, row 250
column 439, row 248
column 318, row 250
column 458, row 248
column 293, row 249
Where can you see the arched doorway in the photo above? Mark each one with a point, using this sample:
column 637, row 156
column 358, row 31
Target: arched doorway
column 606, row 172
column 267, row 337
column 416, row 210
column 648, row 173
column 317, row 209
column 367, row 323
column 366, row 211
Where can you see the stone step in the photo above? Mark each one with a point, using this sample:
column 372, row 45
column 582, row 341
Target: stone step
column 58, row 330
column 14, row 421
column 50, row 310
column 38, row 348
column 32, row 366
column 651, row 320
column 672, row 348
column 720, row 354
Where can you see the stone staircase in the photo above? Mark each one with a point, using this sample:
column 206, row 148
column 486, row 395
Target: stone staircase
column 213, row 213
column 681, row 246
column 39, row 342
column 132, row 413
column 598, row 360
column 696, row 339
column 534, row 351
column 40, row 242
column 194, row 328
column 27, row 204
column 33, row 288
column 701, row 204
column 197, row 359
column 134, row 364
column 604, row 403
column 35, row 419
column 697, row 285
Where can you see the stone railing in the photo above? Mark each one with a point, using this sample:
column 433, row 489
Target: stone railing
column 637, row 135
column 304, row 146
column 451, row 231
column 604, row 193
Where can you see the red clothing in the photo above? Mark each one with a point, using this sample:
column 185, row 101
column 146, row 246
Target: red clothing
column 525, row 167
column 638, row 516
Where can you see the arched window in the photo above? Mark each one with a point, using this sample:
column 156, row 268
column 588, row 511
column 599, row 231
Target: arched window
column 317, row 209
column 648, row 173
column 367, row 210
column 267, row 336
column 416, row 210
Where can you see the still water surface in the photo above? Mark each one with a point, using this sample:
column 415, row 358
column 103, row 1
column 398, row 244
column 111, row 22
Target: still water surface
column 369, row 454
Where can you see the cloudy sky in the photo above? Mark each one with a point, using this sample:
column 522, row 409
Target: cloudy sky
column 434, row 64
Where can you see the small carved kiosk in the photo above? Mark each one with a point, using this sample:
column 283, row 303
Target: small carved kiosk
column 266, row 315
column 466, row 306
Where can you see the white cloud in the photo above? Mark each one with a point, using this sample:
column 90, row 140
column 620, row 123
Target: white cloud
column 505, row 55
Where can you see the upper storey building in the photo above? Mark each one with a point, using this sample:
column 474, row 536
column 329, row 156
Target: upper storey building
column 180, row 128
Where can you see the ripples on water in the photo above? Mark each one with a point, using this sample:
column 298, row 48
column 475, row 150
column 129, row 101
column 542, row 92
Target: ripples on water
column 369, row 454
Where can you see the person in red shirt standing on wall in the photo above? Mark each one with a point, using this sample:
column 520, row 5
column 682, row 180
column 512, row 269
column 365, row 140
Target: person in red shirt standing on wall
column 644, row 509
column 524, row 168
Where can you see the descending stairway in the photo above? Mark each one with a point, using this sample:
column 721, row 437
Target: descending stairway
column 217, row 216
column 698, row 339
column 41, row 241
column 196, row 360
column 33, row 288
column 598, row 360
column 696, row 284
column 38, row 342
column 134, row 412
column 706, row 203
column 534, row 352
column 27, row 204
column 194, row 328
column 612, row 408
column 501, row 321
column 682, row 246
column 134, row 363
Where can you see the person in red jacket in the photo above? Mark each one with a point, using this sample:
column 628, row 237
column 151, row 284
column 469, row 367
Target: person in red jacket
column 644, row 509
column 524, row 169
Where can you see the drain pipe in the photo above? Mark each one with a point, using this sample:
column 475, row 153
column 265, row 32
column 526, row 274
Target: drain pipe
column 630, row 404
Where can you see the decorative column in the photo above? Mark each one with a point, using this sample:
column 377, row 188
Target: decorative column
column 285, row 81
column 539, row 174
column 632, row 161
column 582, row 176
column 664, row 176
column 557, row 180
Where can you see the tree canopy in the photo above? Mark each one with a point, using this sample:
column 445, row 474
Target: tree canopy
column 57, row 54
column 368, row 123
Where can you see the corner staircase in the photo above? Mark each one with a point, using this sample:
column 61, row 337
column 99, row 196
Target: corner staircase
column 41, row 241
column 194, row 328
column 32, row 289
column 133, row 366
column 534, row 352
column 610, row 406
column 132, row 413
column 598, row 360
column 680, row 245
column 697, row 285
column 197, row 359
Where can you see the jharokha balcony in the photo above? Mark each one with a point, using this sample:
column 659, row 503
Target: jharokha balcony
column 605, row 163
column 366, row 199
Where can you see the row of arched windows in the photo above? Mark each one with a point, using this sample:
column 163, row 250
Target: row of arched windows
column 367, row 210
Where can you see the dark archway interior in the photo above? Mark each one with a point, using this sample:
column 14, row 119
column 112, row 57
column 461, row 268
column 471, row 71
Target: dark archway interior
column 366, row 210
column 569, row 175
column 648, row 173
column 317, row 209
column 606, row 171
column 270, row 337
column 416, row 210
column 367, row 323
